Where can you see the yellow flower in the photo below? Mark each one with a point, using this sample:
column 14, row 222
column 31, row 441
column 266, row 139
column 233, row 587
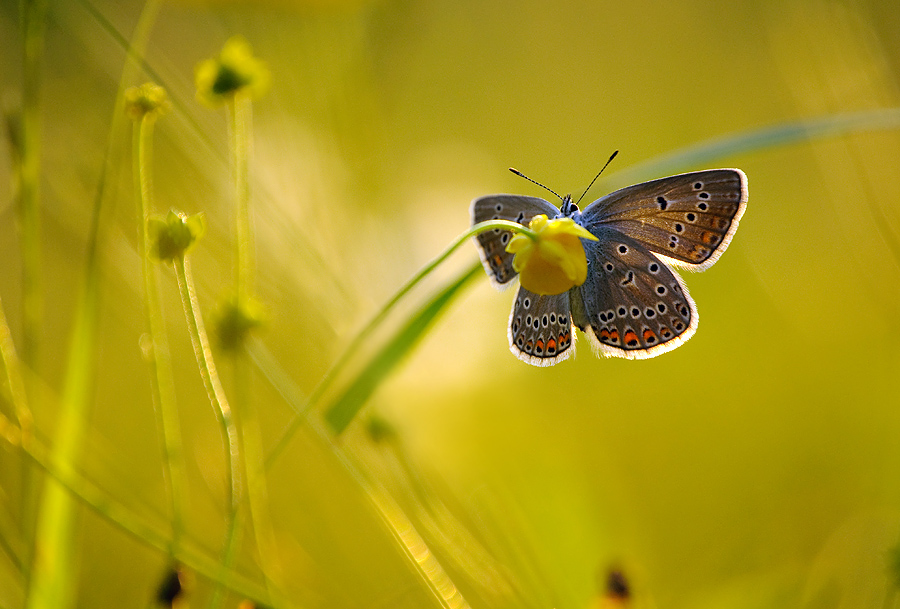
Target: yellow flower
column 148, row 99
column 553, row 260
column 235, row 69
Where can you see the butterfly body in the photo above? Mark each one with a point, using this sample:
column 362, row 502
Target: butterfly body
column 632, row 303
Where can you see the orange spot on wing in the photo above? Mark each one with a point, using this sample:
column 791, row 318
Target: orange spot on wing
column 649, row 334
column 540, row 344
column 498, row 261
column 551, row 344
column 630, row 337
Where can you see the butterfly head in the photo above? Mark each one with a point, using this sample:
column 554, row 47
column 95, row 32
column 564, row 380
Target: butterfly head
column 569, row 208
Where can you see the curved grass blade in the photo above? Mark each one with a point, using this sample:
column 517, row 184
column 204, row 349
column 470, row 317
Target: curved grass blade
column 765, row 138
column 355, row 396
column 138, row 527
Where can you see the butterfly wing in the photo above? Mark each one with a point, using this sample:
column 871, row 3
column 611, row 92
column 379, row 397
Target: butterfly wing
column 540, row 328
column 492, row 244
column 632, row 304
column 689, row 218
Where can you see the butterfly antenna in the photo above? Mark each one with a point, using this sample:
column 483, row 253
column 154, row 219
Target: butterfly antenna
column 596, row 176
column 522, row 175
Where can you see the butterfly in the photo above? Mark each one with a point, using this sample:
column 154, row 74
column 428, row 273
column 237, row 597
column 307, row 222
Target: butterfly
column 633, row 304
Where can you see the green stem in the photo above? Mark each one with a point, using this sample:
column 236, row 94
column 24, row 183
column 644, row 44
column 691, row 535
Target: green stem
column 33, row 14
column 241, row 115
column 163, row 383
column 14, row 435
column 240, row 111
column 373, row 324
column 14, row 379
column 12, row 545
column 137, row 527
column 33, row 24
column 257, row 489
column 52, row 519
column 216, row 395
column 54, row 556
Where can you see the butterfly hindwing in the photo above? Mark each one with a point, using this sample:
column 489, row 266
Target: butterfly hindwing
column 540, row 328
column 688, row 218
column 632, row 304
column 492, row 244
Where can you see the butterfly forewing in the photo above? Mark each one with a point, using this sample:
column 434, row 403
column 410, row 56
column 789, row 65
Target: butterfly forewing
column 632, row 304
column 492, row 244
column 688, row 218
column 540, row 328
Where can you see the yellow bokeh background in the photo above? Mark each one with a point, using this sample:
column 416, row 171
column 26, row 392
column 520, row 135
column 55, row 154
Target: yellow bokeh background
column 756, row 466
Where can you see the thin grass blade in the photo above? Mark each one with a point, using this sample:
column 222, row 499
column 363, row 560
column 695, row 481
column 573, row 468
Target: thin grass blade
column 341, row 413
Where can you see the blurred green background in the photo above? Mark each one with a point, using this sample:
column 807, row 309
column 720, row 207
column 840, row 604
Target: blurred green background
column 756, row 466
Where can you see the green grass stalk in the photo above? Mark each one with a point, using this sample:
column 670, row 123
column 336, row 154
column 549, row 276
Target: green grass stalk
column 225, row 416
column 257, row 487
column 347, row 406
column 51, row 578
column 376, row 321
column 240, row 114
column 54, row 565
column 763, row 138
column 138, row 528
column 162, row 381
column 33, row 24
column 33, row 15
column 10, row 534
column 14, row 380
